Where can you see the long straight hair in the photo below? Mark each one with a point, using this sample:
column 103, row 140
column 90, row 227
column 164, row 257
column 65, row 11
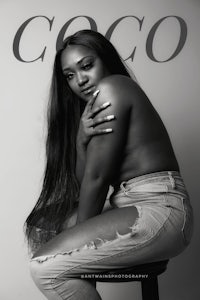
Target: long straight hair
column 60, row 190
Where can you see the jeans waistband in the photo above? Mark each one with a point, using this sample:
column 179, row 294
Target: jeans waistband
column 167, row 174
column 163, row 181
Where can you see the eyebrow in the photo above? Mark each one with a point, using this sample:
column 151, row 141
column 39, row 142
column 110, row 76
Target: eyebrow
column 79, row 62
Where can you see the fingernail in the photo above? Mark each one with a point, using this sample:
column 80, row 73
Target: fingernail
column 105, row 104
column 108, row 130
column 110, row 117
column 95, row 94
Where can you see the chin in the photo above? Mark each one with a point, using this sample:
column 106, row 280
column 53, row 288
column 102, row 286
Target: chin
column 86, row 98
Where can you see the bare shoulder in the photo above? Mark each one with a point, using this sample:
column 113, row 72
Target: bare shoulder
column 117, row 81
column 119, row 90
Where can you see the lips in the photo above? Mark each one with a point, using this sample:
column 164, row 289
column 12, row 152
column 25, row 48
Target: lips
column 87, row 90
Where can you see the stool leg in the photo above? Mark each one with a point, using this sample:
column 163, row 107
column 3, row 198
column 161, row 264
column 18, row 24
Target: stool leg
column 150, row 289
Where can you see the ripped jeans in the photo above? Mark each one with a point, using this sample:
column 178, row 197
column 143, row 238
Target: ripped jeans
column 162, row 230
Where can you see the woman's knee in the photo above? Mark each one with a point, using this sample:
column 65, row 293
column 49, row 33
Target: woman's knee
column 36, row 272
column 41, row 274
column 56, row 287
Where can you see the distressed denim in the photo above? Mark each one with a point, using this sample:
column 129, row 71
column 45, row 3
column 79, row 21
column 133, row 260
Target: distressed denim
column 162, row 230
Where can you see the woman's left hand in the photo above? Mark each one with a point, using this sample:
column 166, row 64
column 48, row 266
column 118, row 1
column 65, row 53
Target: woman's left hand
column 71, row 220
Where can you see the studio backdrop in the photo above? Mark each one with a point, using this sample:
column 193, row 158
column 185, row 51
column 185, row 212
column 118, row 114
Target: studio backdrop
column 159, row 41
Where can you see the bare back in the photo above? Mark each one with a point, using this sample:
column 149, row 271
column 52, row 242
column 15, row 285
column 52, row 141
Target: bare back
column 146, row 144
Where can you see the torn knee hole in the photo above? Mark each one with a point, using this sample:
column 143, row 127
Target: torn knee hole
column 98, row 242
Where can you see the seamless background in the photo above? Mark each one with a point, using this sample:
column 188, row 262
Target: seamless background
column 173, row 88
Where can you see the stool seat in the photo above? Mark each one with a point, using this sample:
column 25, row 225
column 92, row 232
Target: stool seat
column 145, row 273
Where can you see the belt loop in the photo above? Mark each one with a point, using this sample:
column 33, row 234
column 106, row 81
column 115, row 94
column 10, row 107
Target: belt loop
column 123, row 187
column 172, row 180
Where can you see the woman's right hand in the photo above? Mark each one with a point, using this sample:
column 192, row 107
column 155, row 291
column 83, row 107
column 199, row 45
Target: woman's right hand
column 87, row 126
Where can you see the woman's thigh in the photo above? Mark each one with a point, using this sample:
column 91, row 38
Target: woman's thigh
column 101, row 227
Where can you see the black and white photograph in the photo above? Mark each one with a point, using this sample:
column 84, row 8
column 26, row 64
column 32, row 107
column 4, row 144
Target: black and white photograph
column 99, row 156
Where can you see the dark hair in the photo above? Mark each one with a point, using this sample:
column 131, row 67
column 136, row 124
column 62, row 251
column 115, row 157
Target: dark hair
column 60, row 187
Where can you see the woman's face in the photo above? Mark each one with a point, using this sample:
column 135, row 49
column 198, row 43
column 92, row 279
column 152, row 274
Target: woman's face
column 83, row 70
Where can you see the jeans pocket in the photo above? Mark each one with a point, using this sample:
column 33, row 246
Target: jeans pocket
column 187, row 228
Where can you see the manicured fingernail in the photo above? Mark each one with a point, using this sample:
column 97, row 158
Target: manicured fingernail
column 110, row 117
column 108, row 130
column 95, row 94
column 105, row 104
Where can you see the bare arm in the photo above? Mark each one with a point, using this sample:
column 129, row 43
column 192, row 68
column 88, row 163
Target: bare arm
column 80, row 160
column 87, row 129
column 104, row 152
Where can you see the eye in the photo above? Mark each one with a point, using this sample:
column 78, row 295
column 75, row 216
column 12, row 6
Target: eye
column 69, row 76
column 87, row 66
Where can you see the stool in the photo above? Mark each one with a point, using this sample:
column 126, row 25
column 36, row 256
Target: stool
column 149, row 280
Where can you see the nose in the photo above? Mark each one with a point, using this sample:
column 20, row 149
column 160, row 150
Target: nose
column 81, row 79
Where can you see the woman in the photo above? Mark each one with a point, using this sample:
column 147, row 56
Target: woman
column 149, row 218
